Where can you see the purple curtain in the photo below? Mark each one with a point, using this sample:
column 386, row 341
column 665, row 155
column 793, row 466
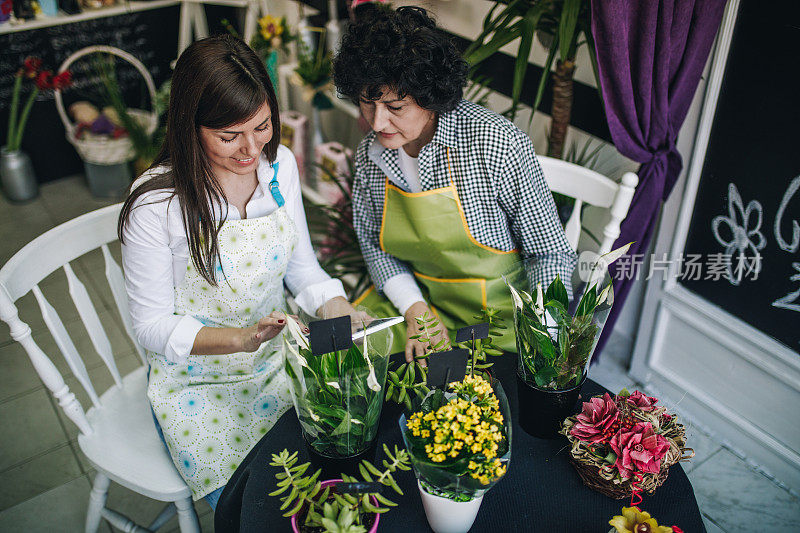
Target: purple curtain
column 650, row 55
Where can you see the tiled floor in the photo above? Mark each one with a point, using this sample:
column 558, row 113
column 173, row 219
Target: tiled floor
column 45, row 481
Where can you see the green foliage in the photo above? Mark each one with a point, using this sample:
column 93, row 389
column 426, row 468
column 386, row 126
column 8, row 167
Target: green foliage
column 555, row 356
column 314, row 69
column 561, row 25
column 478, row 362
column 410, row 378
column 339, row 397
column 327, row 509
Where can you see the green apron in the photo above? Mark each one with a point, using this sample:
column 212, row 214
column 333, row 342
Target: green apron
column 458, row 275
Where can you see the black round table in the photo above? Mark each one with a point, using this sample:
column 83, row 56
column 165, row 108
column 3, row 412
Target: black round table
column 540, row 492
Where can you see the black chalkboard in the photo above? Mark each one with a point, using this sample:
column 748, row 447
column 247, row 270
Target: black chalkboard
column 749, row 193
column 150, row 35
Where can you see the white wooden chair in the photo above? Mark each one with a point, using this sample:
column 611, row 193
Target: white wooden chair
column 597, row 227
column 117, row 434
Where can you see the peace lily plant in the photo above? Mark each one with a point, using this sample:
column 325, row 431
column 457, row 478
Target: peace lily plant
column 554, row 345
column 338, row 396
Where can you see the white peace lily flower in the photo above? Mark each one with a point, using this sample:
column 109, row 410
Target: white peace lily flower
column 333, row 384
column 539, row 308
column 515, row 297
column 601, row 265
column 606, row 294
column 372, row 381
column 300, row 339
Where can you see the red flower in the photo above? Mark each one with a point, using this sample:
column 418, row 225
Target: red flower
column 641, row 401
column 62, row 80
column 640, row 449
column 44, row 80
column 598, row 421
column 32, row 66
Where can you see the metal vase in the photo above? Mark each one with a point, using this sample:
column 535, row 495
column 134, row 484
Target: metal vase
column 16, row 176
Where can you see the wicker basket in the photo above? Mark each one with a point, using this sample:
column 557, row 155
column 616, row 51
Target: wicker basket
column 604, row 478
column 102, row 150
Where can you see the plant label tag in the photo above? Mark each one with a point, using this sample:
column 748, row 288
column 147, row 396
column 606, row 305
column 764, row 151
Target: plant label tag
column 330, row 335
column 446, row 367
column 465, row 334
column 359, row 487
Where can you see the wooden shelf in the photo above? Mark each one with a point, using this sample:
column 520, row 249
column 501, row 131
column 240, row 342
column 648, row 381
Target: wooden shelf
column 63, row 18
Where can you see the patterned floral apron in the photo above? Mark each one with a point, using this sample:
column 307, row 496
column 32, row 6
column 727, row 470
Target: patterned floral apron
column 213, row 409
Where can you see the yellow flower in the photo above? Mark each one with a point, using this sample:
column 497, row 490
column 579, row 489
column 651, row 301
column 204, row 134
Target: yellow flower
column 270, row 27
column 635, row 521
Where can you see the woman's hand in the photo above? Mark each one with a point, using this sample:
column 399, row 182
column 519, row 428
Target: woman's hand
column 338, row 306
column 267, row 328
column 415, row 348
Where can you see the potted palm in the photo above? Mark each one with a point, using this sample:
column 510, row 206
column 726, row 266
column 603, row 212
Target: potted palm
column 555, row 344
column 338, row 397
column 346, row 505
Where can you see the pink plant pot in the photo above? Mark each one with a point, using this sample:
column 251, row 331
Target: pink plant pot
column 373, row 529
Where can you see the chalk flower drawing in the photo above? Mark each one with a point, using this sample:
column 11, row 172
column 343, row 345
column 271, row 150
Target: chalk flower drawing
column 792, row 300
column 745, row 239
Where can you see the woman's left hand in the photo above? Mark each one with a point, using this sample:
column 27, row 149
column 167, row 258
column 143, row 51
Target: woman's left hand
column 338, row 306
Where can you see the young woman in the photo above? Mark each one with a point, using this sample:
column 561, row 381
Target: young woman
column 448, row 196
column 211, row 233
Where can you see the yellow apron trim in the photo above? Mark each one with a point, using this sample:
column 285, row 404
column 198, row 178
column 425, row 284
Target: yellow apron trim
column 363, row 295
column 383, row 214
column 482, row 282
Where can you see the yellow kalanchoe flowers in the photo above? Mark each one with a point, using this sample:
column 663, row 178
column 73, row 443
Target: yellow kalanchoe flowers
column 464, row 429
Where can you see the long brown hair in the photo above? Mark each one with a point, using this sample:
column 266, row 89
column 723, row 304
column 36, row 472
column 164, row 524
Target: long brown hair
column 218, row 82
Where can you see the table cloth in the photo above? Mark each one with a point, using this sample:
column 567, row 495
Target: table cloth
column 540, row 492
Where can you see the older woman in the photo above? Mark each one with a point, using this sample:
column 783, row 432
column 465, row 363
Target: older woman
column 448, row 196
column 211, row 233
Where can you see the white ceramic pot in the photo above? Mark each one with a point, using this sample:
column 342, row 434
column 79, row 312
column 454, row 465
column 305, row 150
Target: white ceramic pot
column 447, row 516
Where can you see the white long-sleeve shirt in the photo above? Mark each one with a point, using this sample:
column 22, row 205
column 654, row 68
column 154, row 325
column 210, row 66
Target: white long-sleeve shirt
column 155, row 254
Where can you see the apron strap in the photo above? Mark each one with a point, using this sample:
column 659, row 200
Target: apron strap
column 273, row 187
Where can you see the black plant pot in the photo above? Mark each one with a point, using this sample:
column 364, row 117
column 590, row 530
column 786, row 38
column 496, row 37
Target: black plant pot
column 541, row 411
column 334, row 466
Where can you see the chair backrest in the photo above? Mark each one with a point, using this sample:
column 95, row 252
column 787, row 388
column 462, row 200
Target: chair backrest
column 37, row 260
column 607, row 202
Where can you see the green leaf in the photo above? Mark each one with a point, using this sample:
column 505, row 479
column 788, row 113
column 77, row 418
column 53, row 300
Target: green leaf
column 556, row 291
column 545, row 345
column 545, row 375
column 344, row 427
column 588, row 302
column 521, row 64
column 364, row 473
column 500, row 38
column 548, row 65
column 567, row 28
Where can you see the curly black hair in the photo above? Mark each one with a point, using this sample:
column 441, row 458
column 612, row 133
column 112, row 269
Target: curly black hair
column 403, row 50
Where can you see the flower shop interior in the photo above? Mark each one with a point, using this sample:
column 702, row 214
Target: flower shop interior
column 651, row 98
